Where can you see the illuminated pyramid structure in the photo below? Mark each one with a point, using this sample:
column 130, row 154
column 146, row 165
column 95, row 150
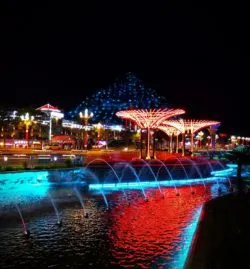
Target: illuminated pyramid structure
column 127, row 93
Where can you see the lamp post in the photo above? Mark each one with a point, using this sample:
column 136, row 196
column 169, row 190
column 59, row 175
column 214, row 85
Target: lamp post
column 27, row 119
column 233, row 141
column 98, row 126
column 85, row 117
column 200, row 138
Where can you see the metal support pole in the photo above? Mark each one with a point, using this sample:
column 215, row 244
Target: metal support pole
column 177, row 143
column 141, row 145
column 154, row 157
column 50, row 128
column 192, row 143
column 171, row 144
column 183, row 144
column 148, row 144
column 27, row 132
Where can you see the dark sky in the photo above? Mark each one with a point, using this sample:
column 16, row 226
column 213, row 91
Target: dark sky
column 61, row 53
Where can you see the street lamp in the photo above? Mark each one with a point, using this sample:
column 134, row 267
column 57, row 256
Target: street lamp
column 200, row 137
column 85, row 117
column 233, row 141
column 27, row 119
column 98, row 126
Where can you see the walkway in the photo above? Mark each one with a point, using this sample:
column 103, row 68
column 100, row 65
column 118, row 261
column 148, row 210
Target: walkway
column 223, row 236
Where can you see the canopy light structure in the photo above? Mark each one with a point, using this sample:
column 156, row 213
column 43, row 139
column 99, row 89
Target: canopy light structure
column 191, row 126
column 149, row 119
column 171, row 131
column 53, row 112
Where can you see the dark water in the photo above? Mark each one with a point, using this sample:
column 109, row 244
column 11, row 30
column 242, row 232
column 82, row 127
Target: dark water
column 152, row 234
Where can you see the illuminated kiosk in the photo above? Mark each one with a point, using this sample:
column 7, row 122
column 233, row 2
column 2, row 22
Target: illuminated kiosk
column 149, row 119
column 63, row 141
column 189, row 126
column 52, row 112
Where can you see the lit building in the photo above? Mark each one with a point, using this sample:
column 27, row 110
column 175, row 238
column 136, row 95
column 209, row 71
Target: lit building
column 127, row 93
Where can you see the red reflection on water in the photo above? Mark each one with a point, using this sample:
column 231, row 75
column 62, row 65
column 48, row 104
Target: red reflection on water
column 144, row 231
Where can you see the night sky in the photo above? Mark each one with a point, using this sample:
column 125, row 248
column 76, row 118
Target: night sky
column 62, row 53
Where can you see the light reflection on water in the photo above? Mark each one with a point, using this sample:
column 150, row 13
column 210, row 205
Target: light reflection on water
column 22, row 187
column 153, row 234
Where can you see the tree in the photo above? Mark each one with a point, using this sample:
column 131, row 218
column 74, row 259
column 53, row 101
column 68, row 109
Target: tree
column 241, row 156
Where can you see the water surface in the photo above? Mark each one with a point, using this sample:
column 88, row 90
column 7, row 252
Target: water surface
column 133, row 233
